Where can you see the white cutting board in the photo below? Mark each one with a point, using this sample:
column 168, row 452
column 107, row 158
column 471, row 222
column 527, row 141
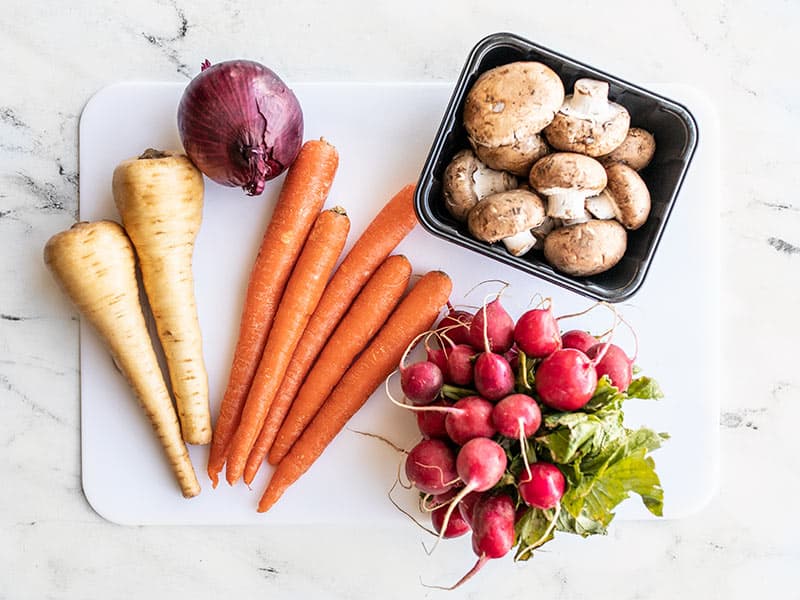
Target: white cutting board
column 383, row 133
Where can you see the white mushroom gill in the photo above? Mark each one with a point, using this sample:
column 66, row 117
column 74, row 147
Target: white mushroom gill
column 520, row 243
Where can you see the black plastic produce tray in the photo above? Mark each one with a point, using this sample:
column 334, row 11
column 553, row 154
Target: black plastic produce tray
column 673, row 126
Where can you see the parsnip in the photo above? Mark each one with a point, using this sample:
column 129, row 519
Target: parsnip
column 160, row 199
column 95, row 265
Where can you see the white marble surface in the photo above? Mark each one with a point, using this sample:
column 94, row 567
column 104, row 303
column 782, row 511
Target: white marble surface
column 55, row 55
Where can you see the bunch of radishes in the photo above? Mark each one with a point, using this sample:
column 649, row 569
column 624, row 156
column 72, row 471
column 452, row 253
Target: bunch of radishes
column 497, row 373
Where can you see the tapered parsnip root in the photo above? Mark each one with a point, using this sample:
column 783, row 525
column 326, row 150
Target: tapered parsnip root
column 94, row 264
column 159, row 196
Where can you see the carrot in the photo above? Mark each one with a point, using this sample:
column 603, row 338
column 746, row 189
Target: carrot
column 393, row 223
column 366, row 316
column 95, row 265
column 415, row 313
column 304, row 192
column 159, row 196
column 303, row 291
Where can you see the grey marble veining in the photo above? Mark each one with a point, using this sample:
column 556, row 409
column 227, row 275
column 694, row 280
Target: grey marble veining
column 740, row 53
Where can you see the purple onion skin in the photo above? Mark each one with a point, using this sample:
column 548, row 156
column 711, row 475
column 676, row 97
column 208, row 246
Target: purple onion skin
column 240, row 124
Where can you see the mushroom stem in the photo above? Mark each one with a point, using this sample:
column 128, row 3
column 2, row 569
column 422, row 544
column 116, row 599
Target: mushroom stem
column 582, row 219
column 602, row 206
column 589, row 99
column 520, row 243
column 566, row 204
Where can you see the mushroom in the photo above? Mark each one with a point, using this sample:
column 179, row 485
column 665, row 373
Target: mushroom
column 517, row 157
column 540, row 231
column 587, row 248
column 636, row 150
column 466, row 180
column 567, row 179
column 625, row 198
column 508, row 217
column 587, row 122
column 586, row 216
column 508, row 105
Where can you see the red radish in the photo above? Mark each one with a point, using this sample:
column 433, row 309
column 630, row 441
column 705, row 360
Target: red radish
column 543, row 487
column 614, row 363
column 493, row 532
column 470, row 418
column 421, row 382
column 457, row 526
column 431, row 423
column 536, row 333
column 492, row 328
column 459, row 365
column 516, row 415
column 566, row 379
column 467, row 506
column 438, row 356
column 456, row 326
column 480, row 464
column 493, row 376
column 580, row 340
column 431, row 467
column 494, row 519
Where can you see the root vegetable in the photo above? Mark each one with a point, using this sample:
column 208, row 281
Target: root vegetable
column 303, row 194
column 431, row 467
column 494, row 378
column 421, row 382
column 394, row 221
column 470, row 418
column 614, row 363
column 459, row 365
column 415, row 314
column 303, row 291
column 455, row 326
column 536, row 333
column 159, row 196
column 94, row 264
column 580, row 340
column 367, row 314
column 492, row 328
column 457, row 526
column 543, row 486
column 431, row 424
column 516, row 416
column 566, row 379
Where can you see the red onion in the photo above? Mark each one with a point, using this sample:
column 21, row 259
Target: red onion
column 240, row 124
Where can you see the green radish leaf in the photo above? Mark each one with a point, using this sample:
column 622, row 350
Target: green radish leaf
column 531, row 529
column 645, row 388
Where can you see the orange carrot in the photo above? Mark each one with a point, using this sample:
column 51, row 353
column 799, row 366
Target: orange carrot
column 393, row 223
column 366, row 316
column 303, row 291
column 416, row 313
column 304, row 192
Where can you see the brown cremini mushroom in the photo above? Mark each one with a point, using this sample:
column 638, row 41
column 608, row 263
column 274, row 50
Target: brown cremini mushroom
column 511, row 103
column 587, row 122
column 587, row 248
column 636, row 150
column 626, row 198
column 507, row 217
column 466, row 180
column 517, row 157
column 567, row 179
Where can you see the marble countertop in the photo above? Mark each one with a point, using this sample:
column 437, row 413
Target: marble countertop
column 740, row 54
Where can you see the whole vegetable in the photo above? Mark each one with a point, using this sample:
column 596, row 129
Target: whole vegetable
column 240, row 124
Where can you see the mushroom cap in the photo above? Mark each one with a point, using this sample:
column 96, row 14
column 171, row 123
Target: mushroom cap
column 587, row 122
column 511, row 102
column 517, row 157
column 505, row 214
column 586, row 248
column 636, row 150
column 466, row 180
column 567, row 171
column 630, row 195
